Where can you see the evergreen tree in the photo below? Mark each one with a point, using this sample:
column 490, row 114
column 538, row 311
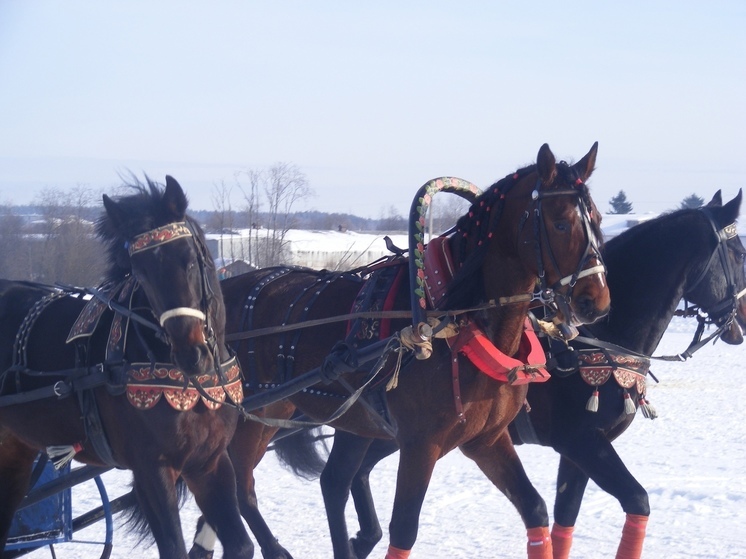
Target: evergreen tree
column 692, row 202
column 620, row 204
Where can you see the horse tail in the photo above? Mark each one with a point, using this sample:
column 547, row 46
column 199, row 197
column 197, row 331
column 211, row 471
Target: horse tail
column 134, row 518
column 299, row 451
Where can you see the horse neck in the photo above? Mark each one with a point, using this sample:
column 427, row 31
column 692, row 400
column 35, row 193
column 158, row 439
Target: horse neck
column 506, row 277
column 502, row 276
column 644, row 295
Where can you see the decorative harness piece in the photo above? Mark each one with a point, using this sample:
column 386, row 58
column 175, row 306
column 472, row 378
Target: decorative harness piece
column 470, row 339
column 155, row 238
column 548, row 295
column 597, row 367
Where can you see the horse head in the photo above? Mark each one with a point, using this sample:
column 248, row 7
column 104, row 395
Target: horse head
column 720, row 287
column 537, row 229
column 151, row 237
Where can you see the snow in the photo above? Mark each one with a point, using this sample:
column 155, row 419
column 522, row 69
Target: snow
column 691, row 461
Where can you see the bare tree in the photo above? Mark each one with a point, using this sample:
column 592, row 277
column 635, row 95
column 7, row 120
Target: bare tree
column 285, row 185
column 391, row 220
column 15, row 262
column 280, row 187
column 66, row 249
column 446, row 210
column 221, row 220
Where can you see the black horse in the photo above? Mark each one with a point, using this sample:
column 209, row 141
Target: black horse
column 691, row 254
column 98, row 379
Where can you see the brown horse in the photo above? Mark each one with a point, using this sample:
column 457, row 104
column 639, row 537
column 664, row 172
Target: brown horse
column 532, row 227
column 68, row 364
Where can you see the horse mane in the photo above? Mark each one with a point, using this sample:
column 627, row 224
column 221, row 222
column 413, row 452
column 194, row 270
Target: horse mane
column 642, row 231
column 477, row 226
column 145, row 210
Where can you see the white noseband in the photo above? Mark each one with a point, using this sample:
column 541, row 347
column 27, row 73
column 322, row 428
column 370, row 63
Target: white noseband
column 180, row 311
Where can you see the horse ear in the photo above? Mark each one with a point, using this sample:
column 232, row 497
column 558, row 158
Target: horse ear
column 731, row 210
column 546, row 165
column 716, row 201
column 584, row 167
column 174, row 199
column 115, row 213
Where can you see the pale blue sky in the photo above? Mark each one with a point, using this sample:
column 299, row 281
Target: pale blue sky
column 372, row 99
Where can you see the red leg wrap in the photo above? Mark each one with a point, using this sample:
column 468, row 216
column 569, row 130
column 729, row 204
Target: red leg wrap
column 396, row 553
column 561, row 541
column 633, row 535
column 539, row 543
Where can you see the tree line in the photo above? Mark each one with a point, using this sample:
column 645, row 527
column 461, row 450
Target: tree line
column 53, row 240
column 619, row 204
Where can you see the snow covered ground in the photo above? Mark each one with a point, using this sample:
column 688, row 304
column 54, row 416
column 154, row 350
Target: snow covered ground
column 692, row 461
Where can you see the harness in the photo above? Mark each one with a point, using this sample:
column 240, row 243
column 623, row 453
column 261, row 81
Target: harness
column 143, row 382
column 549, row 296
column 604, row 360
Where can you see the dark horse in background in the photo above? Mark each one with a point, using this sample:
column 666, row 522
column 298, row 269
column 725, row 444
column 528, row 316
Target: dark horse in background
column 532, row 226
column 692, row 254
column 65, row 381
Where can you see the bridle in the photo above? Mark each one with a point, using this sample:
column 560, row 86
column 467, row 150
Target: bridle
column 166, row 234
column 723, row 313
column 550, row 295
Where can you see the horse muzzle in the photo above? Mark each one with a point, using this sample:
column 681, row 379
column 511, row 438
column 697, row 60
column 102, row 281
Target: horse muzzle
column 185, row 328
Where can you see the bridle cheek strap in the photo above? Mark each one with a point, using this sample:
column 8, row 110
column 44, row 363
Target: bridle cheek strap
column 181, row 311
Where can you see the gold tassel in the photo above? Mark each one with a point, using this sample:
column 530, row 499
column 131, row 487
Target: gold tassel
column 394, row 380
column 592, row 404
column 61, row 455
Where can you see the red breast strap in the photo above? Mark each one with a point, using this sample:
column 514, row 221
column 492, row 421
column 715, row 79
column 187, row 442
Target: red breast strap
column 528, row 366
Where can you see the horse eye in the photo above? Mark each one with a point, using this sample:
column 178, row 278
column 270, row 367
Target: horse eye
column 562, row 226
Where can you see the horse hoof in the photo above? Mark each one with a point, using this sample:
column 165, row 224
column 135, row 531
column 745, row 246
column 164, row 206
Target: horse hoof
column 280, row 553
column 199, row 552
column 362, row 547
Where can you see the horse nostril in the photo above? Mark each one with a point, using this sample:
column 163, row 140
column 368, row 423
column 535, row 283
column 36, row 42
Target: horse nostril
column 197, row 355
column 585, row 306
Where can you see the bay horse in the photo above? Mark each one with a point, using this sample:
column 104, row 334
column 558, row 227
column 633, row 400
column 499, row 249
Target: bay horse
column 533, row 226
column 692, row 254
column 101, row 374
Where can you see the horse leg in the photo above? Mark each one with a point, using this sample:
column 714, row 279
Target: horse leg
column 345, row 458
column 214, row 491
column 370, row 532
column 155, row 489
column 416, row 462
column 246, row 450
column 571, row 484
column 16, row 461
column 502, row 466
column 596, row 457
